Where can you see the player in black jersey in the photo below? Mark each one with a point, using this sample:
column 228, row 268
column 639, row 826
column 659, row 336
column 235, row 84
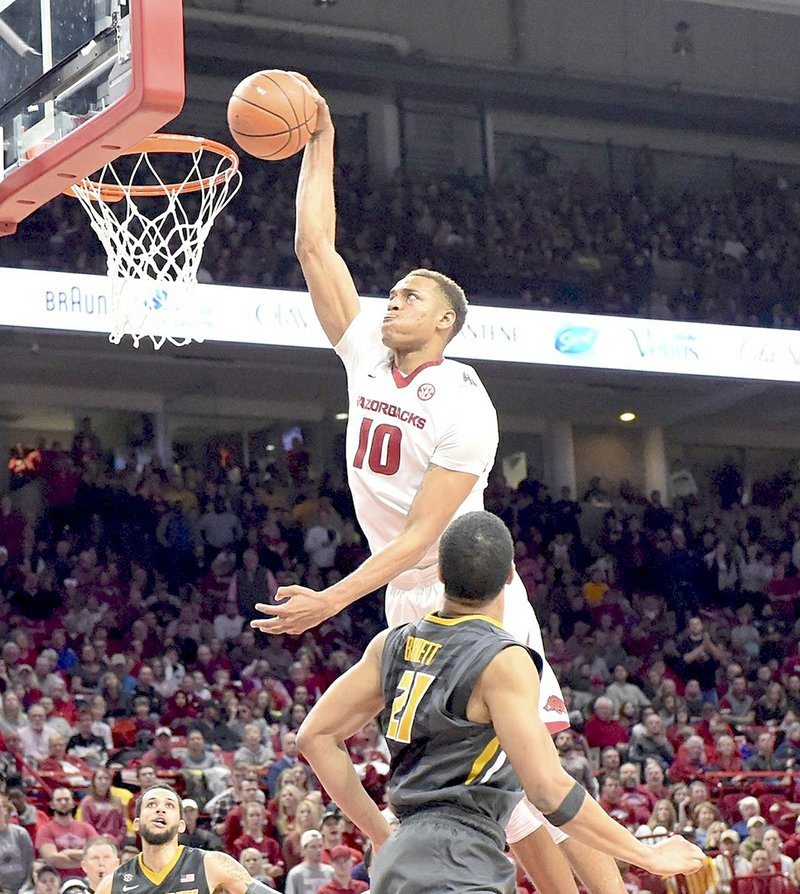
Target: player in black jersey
column 457, row 697
column 166, row 867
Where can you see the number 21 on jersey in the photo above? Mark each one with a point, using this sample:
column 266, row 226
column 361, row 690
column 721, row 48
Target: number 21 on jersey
column 412, row 687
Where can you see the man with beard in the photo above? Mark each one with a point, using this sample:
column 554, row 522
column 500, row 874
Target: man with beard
column 60, row 842
column 165, row 865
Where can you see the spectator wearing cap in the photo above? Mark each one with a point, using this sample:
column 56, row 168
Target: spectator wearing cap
column 16, row 851
column 60, row 841
column 311, row 874
column 342, row 881
column 729, row 863
column 332, row 828
column 194, row 835
column 603, row 730
column 160, row 755
column 119, row 666
column 756, row 826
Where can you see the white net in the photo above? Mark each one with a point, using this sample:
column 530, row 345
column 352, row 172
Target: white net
column 153, row 212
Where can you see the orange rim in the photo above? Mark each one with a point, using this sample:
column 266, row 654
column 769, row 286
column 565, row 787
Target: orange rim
column 163, row 143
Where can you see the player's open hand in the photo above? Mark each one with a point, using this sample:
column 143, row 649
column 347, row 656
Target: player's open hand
column 675, row 856
column 324, row 121
column 298, row 611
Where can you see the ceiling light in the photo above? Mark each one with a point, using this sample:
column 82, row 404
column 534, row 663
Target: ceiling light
column 627, row 416
column 341, row 416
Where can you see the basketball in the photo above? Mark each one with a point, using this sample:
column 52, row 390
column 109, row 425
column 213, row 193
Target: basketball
column 272, row 115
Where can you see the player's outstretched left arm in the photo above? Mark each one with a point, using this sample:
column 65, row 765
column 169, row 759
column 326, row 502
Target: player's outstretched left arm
column 440, row 494
column 349, row 703
column 508, row 687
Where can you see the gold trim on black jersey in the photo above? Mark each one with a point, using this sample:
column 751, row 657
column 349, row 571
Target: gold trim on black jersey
column 451, row 622
column 157, row 878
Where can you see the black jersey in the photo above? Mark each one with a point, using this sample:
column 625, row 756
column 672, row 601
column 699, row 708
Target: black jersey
column 184, row 875
column 439, row 758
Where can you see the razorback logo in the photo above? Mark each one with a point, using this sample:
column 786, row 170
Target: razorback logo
column 554, row 703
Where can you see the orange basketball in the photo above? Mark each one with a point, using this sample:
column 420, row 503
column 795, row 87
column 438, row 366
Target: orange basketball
column 272, row 115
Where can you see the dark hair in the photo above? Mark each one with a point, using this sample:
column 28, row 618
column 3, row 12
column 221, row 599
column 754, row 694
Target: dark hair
column 452, row 292
column 476, row 554
column 151, row 788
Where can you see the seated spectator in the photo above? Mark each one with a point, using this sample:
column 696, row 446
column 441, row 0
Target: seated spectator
column 197, row 755
column 308, row 816
column 221, row 804
column 100, row 858
column 16, row 851
column 665, row 815
column 574, row 760
column 102, row 809
column 690, row 760
column 791, row 847
column 762, row 880
column 651, row 744
column 332, row 828
column 254, row 752
column 703, row 816
column 639, row 801
column 36, row 736
column 771, row 707
column 160, row 755
column 194, row 836
column 725, row 756
column 602, row 730
column 729, row 863
column 289, row 757
column 311, row 873
column 621, row 690
column 342, row 882
column 12, row 716
column 765, row 759
column 253, row 835
column 611, row 801
column 84, row 743
column 63, row 768
column 255, row 863
column 654, row 779
column 26, row 814
column 61, row 840
column 788, row 752
column 756, row 827
column 773, row 845
column 249, row 792
column 748, row 807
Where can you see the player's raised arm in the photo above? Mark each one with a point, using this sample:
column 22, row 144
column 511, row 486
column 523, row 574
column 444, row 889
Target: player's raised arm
column 345, row 707
column 329, row 281
column 441, row 493
column 508, row 687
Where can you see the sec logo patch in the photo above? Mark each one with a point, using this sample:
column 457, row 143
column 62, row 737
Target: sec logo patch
column 425, row 392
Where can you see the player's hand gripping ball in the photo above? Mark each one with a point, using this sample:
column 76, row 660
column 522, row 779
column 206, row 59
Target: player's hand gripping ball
column 272, row 114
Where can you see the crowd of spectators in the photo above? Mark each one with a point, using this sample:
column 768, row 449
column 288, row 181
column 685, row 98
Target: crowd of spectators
column 542, row 240
column 127, row 656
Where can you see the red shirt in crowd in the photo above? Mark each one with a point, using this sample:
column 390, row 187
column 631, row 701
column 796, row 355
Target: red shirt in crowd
column 604, row 733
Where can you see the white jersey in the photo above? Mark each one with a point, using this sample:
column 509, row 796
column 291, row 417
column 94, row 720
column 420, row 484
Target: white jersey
column 400, row 425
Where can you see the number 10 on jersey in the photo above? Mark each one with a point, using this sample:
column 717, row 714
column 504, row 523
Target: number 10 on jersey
column 380, row 446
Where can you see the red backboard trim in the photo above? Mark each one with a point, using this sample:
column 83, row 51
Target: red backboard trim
column 157, row 94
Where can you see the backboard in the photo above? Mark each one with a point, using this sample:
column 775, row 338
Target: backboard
column 80, row 82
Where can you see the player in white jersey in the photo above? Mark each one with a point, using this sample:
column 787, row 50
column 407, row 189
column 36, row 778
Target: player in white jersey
column 421, row 440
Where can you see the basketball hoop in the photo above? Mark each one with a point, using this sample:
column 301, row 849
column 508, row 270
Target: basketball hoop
column 153, row 224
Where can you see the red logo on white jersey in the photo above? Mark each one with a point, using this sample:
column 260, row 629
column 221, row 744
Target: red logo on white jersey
column 425, row 392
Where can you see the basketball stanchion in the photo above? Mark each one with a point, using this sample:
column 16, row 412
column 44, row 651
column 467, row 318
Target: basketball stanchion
column 153, row 226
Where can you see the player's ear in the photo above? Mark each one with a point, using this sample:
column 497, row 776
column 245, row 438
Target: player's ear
column 511, row 573
column 447, row 318
column 136, row 824
column 182, row 826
